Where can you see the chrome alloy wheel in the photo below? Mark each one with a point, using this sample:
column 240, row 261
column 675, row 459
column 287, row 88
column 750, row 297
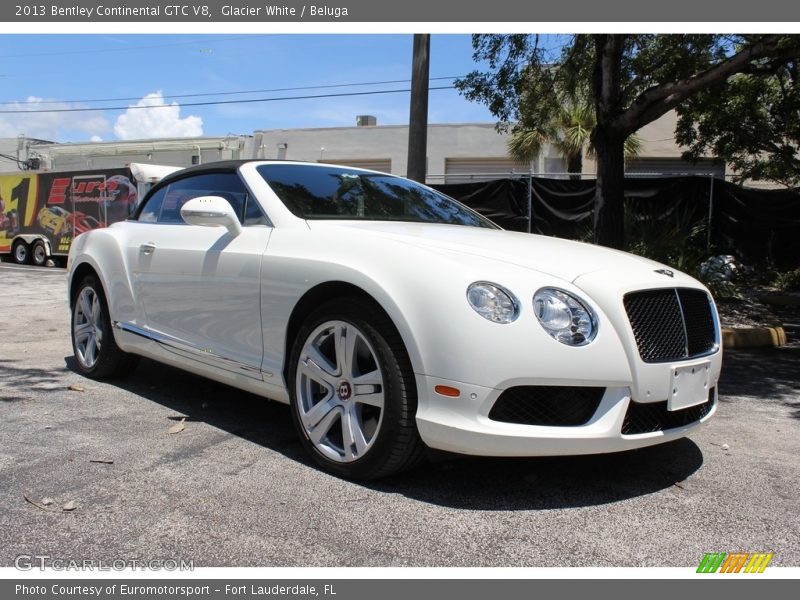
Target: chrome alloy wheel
column 340, row 391
column 87, row 327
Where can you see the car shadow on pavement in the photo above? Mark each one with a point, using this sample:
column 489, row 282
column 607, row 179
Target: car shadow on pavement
column 466, row 483
column 504, row 484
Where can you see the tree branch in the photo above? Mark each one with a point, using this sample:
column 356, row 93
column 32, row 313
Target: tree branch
column 658, row 100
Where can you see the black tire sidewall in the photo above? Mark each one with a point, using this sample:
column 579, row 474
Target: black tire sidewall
column 102, row 365
column 397, row 399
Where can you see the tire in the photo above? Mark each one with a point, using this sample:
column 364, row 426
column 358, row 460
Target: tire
column 21, row 252
column 95, row 350
column 39, row 253
column 355, row 416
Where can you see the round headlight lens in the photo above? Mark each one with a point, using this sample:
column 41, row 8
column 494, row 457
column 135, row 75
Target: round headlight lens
column 492, row 302
column 564, row 317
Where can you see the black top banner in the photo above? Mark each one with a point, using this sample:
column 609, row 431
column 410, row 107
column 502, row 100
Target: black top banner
column 408, row 11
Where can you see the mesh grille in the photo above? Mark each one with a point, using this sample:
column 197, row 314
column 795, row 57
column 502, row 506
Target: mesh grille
column 654, row 416
column 547, row 405
column 671, row 324
column 699, row 321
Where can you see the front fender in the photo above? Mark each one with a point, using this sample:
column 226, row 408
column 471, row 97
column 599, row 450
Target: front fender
column 424, row 293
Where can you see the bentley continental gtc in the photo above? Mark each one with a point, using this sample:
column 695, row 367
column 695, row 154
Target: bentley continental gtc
column 393, row 319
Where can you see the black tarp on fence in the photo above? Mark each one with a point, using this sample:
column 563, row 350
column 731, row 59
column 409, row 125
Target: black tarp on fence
column 759, row 226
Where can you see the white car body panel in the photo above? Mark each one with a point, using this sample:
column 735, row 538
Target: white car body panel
column 243, row 290
column 218, row 274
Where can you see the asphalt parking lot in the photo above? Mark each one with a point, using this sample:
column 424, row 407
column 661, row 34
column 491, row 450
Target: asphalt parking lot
column 233, row 488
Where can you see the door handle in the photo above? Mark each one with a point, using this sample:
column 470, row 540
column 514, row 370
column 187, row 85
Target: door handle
column 147, row 249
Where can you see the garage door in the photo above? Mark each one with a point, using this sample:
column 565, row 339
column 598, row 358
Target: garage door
column 384, row 165
column 674, row 166
column 464, row 170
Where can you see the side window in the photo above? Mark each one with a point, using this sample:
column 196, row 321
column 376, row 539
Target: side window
column 226, row 185
column 152, row 208
column 252, row 213
column 165, row 205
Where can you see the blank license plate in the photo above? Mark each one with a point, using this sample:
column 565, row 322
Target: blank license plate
column 689, row 385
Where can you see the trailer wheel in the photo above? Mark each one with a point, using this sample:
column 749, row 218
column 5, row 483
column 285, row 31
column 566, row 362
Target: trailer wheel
column 21, row 252
column 39, row 253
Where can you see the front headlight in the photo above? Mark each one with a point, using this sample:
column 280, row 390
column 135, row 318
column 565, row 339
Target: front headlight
column 493, row 302
column 565, row 317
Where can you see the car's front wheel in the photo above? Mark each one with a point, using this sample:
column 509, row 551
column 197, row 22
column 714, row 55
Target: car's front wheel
column 93, row 344
column 353, row 393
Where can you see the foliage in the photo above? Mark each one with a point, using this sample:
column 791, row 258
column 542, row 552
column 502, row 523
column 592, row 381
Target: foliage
column 630, row 80
column 569, row 132
column 678, row 242
column 787, row 281
column 752, row 121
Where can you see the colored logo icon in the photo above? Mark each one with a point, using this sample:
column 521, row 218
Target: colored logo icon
column 736, row 562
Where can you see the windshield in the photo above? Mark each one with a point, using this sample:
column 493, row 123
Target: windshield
column 312, row 192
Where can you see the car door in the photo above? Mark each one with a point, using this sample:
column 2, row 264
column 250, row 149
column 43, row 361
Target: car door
column 200, row 286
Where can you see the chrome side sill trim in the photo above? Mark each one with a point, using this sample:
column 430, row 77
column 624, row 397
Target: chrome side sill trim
column 182, row 346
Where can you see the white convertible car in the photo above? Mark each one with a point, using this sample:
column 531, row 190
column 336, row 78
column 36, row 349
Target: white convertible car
column 392, row 318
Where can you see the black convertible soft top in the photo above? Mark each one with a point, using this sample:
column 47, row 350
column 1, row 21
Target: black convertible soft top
column 220, row 166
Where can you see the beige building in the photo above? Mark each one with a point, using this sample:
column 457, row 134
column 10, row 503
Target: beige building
column 456, row 153
column 459, row 152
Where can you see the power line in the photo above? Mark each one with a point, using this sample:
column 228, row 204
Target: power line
column 20, row 164
column 218, row 102
column 198, row 95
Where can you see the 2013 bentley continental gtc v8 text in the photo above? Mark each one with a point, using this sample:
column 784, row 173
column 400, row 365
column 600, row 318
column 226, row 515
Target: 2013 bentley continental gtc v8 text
column 391, row 318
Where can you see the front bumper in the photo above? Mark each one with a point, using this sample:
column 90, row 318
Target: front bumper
column 462, row 425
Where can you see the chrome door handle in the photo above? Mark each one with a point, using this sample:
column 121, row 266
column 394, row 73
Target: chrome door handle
column 147, row 249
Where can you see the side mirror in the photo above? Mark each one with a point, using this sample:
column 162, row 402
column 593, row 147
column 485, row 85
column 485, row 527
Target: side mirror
column 211, row 211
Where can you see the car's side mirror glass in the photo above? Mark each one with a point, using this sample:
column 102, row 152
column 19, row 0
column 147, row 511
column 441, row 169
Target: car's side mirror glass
column 211, row 211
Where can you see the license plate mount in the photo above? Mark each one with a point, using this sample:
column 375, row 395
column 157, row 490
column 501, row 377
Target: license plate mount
column 689, row 385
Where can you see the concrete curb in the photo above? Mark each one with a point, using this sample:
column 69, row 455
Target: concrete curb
column 753, row 337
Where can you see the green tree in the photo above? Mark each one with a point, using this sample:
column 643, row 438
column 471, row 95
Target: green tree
column 569, row 132
column 631, row 80
column 752, row 121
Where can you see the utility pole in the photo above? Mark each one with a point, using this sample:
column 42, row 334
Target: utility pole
column 418, row 117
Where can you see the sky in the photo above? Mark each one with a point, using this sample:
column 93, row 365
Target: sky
column 46, row 71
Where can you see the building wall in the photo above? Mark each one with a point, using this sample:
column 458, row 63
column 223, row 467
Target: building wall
column 451, row 147
column 454, row 142
column 380, row 142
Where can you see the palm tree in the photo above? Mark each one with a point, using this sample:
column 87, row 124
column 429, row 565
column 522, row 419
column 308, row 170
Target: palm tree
column 569, row 132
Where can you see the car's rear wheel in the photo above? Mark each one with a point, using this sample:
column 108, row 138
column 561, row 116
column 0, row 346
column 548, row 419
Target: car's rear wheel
column 39, row 253
column 353, row 393
column 21, row 252
column 93, row 344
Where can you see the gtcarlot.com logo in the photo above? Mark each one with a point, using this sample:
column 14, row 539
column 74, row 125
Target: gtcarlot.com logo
column 734, row 562
column 28, row 562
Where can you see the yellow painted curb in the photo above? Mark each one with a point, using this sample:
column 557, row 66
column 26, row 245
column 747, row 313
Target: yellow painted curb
column 753, row 337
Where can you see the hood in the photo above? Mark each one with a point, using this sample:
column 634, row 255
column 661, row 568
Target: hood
column 564, row 259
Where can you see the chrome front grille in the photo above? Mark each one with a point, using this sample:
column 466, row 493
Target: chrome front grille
column 671, row 324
